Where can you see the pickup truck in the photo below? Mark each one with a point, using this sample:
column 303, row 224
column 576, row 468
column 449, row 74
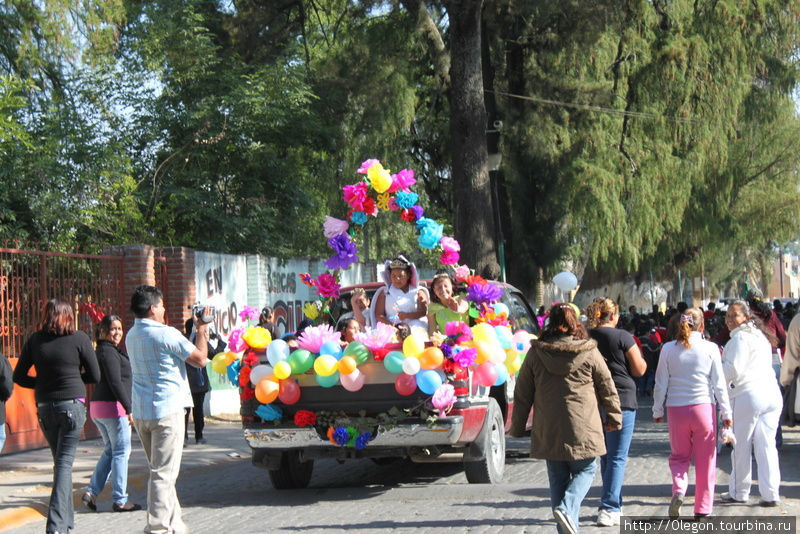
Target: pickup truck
column 472, row 432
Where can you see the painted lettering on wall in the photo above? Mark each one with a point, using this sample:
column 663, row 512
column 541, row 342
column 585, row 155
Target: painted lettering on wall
column 280, row 281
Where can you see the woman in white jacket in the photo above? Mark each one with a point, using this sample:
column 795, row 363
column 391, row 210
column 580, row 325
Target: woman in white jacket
column 756, row 402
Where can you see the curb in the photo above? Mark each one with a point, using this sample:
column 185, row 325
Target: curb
column 16, row 517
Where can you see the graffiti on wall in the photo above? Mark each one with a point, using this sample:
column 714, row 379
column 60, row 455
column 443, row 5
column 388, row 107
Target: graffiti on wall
column 218, row 281
column 286, row 295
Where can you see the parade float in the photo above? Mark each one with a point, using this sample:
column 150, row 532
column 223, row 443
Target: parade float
column 444, row 398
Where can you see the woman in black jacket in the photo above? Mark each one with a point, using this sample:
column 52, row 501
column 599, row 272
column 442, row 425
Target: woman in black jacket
column 65, row 361
column 110, row 410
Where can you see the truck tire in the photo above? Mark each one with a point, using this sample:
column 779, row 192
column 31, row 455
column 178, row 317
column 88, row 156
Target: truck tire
column 292, row 474
column 491, row 442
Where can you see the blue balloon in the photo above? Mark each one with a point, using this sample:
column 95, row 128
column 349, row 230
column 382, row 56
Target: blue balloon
column 394, row 361
column 502, row 374
column 277, row 351
column 499, row 308
column 331, row 347
column 428, row 381
column 328, row 381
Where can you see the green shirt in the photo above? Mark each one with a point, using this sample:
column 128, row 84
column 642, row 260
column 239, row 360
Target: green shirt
column 443, row 315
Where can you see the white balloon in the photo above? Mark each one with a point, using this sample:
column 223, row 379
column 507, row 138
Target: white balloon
column 566, row 281
column 411, row 366
column 277, row 351
column 260, row 372
column 354, row 381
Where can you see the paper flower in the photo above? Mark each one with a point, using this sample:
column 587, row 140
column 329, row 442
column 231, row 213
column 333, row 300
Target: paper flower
column 408, row 216
column 461, row 273
column 358, row 217
column 362, row 440
column 377, row 337
column 379, row 178
column 345, row 250
column 341, row 436
column 235, row 341
column 430, row 233
column 247, row 394
column 458, row 330
column 249, row 313
column 484, row 293
column 355, row 195
column 311, row 310
column 475, row 280
column 313, row 337
column 444, row 397
column 406, row 200
column 418, row 211
column 250, row 358
column 333, row 226
column 383, row 201
column 367, row 164
column 268, row 412
column 244, row 375
column 450, row 244
column 465, row 357
column 305, row 418
column 402, row 181
column 257, row 337
column 449, row 257
column 393, row 205
column 327, row 286
column 307, row 279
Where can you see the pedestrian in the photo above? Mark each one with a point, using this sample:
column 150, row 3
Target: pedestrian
column 110, row 410
column 756, row 402
column 625, row 361
column 199, row 385
column 6, row 388
column 690, row 378
column 563, row 377
column 65, row 362
column 791, row 360
column 158, row 355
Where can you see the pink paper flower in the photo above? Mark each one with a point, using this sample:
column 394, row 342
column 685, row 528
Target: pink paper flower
column 235, row 341
column 313, row 337
column 465, row 357
column 402, row 181
column 449, row 257
column 327, row 286
column 333, row 226
column 458, row 330
column 376, row 338
column 355, row 195
column 461, row 273
column 443, row 398
column 249, row 313
column 367, row 164
column 449, row 244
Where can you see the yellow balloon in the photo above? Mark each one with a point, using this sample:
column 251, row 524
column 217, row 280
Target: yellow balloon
column 513, row 365
column 511, row 354
column 325, row 365
column 219, row 363
column 484, row 351
column 413, row 346
column 484, row 332
column 282, row 370
column 257, row 337
column 347, row 365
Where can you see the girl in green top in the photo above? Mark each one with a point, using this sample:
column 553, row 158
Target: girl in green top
column 445, row 305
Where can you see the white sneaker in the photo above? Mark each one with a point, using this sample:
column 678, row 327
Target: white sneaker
column 565, row 521
column 608, row 518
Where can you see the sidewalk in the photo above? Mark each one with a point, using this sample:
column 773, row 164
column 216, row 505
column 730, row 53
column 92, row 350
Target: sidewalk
column 26, row 477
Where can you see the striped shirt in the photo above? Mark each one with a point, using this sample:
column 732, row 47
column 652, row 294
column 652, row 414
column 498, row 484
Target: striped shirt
column 158, row 354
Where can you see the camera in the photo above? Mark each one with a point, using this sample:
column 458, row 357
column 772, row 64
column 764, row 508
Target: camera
column 197, row 311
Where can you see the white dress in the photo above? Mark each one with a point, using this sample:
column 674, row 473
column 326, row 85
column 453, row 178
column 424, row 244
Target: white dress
column 397, row 301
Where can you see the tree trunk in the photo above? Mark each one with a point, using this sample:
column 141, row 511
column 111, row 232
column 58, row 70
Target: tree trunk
column 472, row 204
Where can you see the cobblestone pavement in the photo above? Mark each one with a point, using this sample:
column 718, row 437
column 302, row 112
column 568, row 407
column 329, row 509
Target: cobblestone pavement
column 221, row 492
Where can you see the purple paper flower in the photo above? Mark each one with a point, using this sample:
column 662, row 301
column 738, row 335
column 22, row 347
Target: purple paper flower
column 406, row 200
column 447, row 350
column 362, row 440
column 465, row 357
column 484, row 293
column 443, row 397
column 418, row 211
column 345, row 250
column 333, row 226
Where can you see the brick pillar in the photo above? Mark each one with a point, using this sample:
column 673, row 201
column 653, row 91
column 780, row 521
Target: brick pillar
column 180, row 284
column 137, row 269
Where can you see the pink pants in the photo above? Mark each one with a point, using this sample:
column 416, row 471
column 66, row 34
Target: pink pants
column 692, row 433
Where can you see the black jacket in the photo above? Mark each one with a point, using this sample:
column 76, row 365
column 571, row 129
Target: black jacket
column 6, row 386
column 115, row 375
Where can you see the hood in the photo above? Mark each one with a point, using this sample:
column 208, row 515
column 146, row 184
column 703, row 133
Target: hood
column 562, row 356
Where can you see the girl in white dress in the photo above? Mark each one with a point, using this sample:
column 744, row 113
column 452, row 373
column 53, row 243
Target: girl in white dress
column 402, row 299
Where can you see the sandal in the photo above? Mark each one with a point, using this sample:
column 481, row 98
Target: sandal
column 127, row 507
column 88, row 501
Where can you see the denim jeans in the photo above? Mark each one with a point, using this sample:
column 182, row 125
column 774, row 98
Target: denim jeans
column 612, row 464
column 62, row 424
column 116, row 432
column 569, row 484
column 2, row 436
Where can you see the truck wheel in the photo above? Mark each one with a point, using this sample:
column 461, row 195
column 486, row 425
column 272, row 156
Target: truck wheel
column 491, row 442
column 292, row 474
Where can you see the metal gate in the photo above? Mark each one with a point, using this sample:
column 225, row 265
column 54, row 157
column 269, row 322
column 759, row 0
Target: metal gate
column 28, row 279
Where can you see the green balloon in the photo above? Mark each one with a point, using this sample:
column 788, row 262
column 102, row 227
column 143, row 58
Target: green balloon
column 301, row 361
column 357, row 350
column 394, row 361
column 328, row 381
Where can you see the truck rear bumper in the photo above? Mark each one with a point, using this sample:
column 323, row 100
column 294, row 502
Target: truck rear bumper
column 445, row 431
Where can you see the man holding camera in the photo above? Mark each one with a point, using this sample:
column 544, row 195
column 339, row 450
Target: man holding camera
column 158, row 355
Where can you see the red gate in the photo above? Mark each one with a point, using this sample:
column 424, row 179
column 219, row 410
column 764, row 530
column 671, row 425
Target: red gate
column 28, row 279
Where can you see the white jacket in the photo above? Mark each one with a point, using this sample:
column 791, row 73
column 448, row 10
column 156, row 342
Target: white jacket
column 747, row 362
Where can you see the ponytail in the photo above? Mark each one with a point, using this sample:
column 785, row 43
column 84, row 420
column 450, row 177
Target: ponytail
column 691, row 321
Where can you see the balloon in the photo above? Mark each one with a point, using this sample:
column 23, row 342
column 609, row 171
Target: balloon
column 413, row 345
column 504, row 336
column 260, row 372
column 522, row 340
column 266, row 391
column 219, row 363
column 394, row 361
column 288, row 392
column 514, row 364
column 357, row 350
column 301, row 361
column 566, row 281
column 484, row 332
column 277, row 351
column 347, row 365
column 428, row 381
column 325, row 365
column 282, row 369
column 502, row 374
column 497, row 355
column 431, row 358
column 499, row 308
column 405, row 384
column 354, row 381
column 484, row 351
column 230, row 357
column 486, row 374
column 411, row 366
column 331, row 347
column 328, row 381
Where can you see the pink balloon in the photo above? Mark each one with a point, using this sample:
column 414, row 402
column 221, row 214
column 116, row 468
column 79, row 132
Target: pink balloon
column 405, row 384
column 354, row 381
column 486, row 374
column 288, row 391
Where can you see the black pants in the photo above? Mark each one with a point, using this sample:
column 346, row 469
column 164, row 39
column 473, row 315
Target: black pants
column 198, row 416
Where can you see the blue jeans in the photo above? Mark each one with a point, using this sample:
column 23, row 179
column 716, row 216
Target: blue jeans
column 116, row 432
column 2, row 436
column 612, row 464
column 569, row 484
column 62, row 424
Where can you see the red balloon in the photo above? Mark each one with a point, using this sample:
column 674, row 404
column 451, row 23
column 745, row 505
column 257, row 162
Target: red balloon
column 289, row 391
column 405, row 384
column 486, row 374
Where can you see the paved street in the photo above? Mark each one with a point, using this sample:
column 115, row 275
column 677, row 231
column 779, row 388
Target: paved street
column 221, row 492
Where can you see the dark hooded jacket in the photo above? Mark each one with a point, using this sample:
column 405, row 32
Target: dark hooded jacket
column 563, row 379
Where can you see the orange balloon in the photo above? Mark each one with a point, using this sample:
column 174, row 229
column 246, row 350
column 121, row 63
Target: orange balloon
column 267, row 391
column 484, row 351
column 347, row 365
column 431, row 358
